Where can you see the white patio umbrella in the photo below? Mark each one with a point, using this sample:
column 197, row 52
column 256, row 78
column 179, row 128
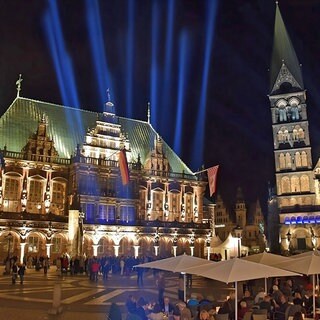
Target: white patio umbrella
column 236, row 270
column 176, row 264
column 268, row 259
column 308, row 264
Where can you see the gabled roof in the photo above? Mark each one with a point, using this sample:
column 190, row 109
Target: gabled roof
column 67, row 126
column 283, row 56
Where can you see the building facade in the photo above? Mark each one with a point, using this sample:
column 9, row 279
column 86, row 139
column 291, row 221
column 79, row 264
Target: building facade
column 61, row 190
column 296, row 202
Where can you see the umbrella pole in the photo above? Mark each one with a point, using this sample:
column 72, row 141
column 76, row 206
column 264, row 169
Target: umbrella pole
column 185, row 287
column 265, row 285
column 236, row 301
column 314, row 296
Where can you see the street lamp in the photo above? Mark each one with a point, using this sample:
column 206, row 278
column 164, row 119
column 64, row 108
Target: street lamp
column 288, row 235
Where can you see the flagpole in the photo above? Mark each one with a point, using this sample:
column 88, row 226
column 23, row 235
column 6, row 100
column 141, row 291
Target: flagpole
column 197, row 172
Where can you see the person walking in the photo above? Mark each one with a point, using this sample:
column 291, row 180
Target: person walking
column 21, row 272
column 45, row 263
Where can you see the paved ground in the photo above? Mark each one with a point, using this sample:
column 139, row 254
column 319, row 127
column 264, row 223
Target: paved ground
column 82, row 299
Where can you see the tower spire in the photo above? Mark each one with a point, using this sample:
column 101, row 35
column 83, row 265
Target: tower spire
column 148, row 112
column 18, row 83
column 284, row 63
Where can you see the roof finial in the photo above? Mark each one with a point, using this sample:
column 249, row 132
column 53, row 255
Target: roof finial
column 149, row 112
column 109, row 103
column 18, row 83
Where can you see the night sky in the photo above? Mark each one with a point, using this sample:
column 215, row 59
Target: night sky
column 237, row 119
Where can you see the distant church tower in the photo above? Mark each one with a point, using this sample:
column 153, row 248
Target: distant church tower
column 292, row 150
column 240, row 210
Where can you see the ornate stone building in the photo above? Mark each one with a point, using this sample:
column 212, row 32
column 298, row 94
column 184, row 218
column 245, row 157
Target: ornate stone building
column 295, row 207
column 61, row 190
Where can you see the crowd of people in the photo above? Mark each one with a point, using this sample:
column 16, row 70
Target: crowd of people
column 284, row 299
column 141, row 309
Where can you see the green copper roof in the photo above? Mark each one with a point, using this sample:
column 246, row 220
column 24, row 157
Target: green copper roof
column 67, row 126
column 283, row 52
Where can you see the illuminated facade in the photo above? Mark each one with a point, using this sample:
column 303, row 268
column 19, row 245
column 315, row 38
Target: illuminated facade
column 297, row 200
column 61, row 190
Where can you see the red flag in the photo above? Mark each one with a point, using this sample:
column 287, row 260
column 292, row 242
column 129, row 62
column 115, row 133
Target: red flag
column 212, row 178
column 123, row 165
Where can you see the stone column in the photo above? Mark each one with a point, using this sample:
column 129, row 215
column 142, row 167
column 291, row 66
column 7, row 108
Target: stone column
column 73, row 228
column 192, row 251
column 22, row 247
column 174, row 250
column 48, row 251
column 95, row 250
column 116, row 250
column 136, row 251
column 156, row 250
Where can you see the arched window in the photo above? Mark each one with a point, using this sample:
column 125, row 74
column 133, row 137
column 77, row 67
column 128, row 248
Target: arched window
column 282, row 162
column 301, row 134
column 288, row 160
column 280, row 136
column 295, row 134
column 295, row 184
column 58, row 195
column 293, row 201
column 286, row 220
column 12, row 186
column 305, row 219
column 36, row 188
column 305, row 183
column 297, row 158
column 282, row 114
column 304, row 159
column 286, row 135
column 285, row 185
column 293, row 220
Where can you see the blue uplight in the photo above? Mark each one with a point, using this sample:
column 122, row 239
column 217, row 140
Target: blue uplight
column 199, row 135
column 154, row 62
column 184, row 55
column 166, row 97
column 130, row 58
column 97, row 49
column 61, row 58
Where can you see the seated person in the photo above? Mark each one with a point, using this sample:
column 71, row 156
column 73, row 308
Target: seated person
column 229, row 307
column 156, row 313
column 243, row 309
column 259, row 296
column 248, row 298
column 167, row 306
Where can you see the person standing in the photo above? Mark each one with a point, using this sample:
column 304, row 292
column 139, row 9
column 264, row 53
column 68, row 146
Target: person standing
column 140, row 277
column 181, row 287
column 160, row 282
column 14, row 272
column 21, row 272
column 45, row 263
